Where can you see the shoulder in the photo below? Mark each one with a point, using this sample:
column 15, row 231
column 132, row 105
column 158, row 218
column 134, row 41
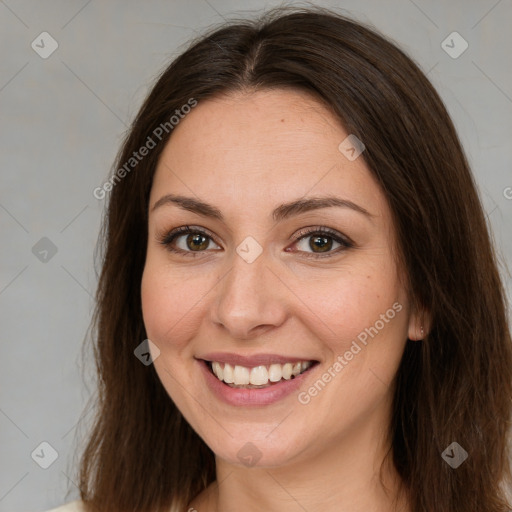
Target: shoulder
column 73, row 506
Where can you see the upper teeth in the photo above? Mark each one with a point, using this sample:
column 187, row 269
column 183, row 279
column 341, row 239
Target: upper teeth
column 259, row 375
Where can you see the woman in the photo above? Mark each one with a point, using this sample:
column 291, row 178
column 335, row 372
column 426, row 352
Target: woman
column 299, row 306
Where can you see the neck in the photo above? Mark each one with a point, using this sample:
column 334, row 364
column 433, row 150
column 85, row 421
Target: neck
column 346, row 477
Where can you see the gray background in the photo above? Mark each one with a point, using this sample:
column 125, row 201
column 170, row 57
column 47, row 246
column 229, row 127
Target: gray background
column 61, row 122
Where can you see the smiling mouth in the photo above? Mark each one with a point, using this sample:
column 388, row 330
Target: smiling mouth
column 242, row 377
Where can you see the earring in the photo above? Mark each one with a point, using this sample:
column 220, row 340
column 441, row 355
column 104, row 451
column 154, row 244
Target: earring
column 422, row 332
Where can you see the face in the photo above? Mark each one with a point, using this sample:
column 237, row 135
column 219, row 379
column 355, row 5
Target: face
column 270, row 252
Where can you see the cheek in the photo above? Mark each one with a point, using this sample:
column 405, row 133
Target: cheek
column 170, row 319
column 154, row 304
column 174, row 301
column 350, row 300
column 363, row 325
column 167, row 304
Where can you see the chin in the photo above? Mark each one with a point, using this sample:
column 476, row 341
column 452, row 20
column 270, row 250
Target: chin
column 257, row 450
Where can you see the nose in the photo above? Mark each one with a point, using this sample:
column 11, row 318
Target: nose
column 250, row 299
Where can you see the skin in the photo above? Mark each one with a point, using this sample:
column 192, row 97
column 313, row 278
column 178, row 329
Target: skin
column 247, row 153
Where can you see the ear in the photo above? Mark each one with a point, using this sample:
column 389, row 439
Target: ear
column 420, row 323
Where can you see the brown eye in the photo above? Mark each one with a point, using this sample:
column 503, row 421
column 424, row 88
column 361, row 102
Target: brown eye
column 187, row 241
column 197, row 242
column 321, row 242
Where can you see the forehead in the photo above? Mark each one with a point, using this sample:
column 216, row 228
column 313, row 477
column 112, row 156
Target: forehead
column 260, row 148
column 263, row 126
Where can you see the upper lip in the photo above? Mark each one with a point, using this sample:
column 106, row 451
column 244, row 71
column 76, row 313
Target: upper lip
column 253, row 360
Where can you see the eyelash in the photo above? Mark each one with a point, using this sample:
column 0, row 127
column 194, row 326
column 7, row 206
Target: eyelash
column 167, row 238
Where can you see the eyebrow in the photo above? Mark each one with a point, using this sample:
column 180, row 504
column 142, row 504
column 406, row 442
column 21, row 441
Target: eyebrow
column 280, row 213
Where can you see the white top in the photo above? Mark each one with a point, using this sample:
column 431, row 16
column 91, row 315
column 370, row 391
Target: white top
column 73, row 506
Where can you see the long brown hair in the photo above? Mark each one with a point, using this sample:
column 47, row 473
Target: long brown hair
column 454, row 386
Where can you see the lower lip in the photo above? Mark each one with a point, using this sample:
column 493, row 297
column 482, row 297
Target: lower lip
column 254, row 396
